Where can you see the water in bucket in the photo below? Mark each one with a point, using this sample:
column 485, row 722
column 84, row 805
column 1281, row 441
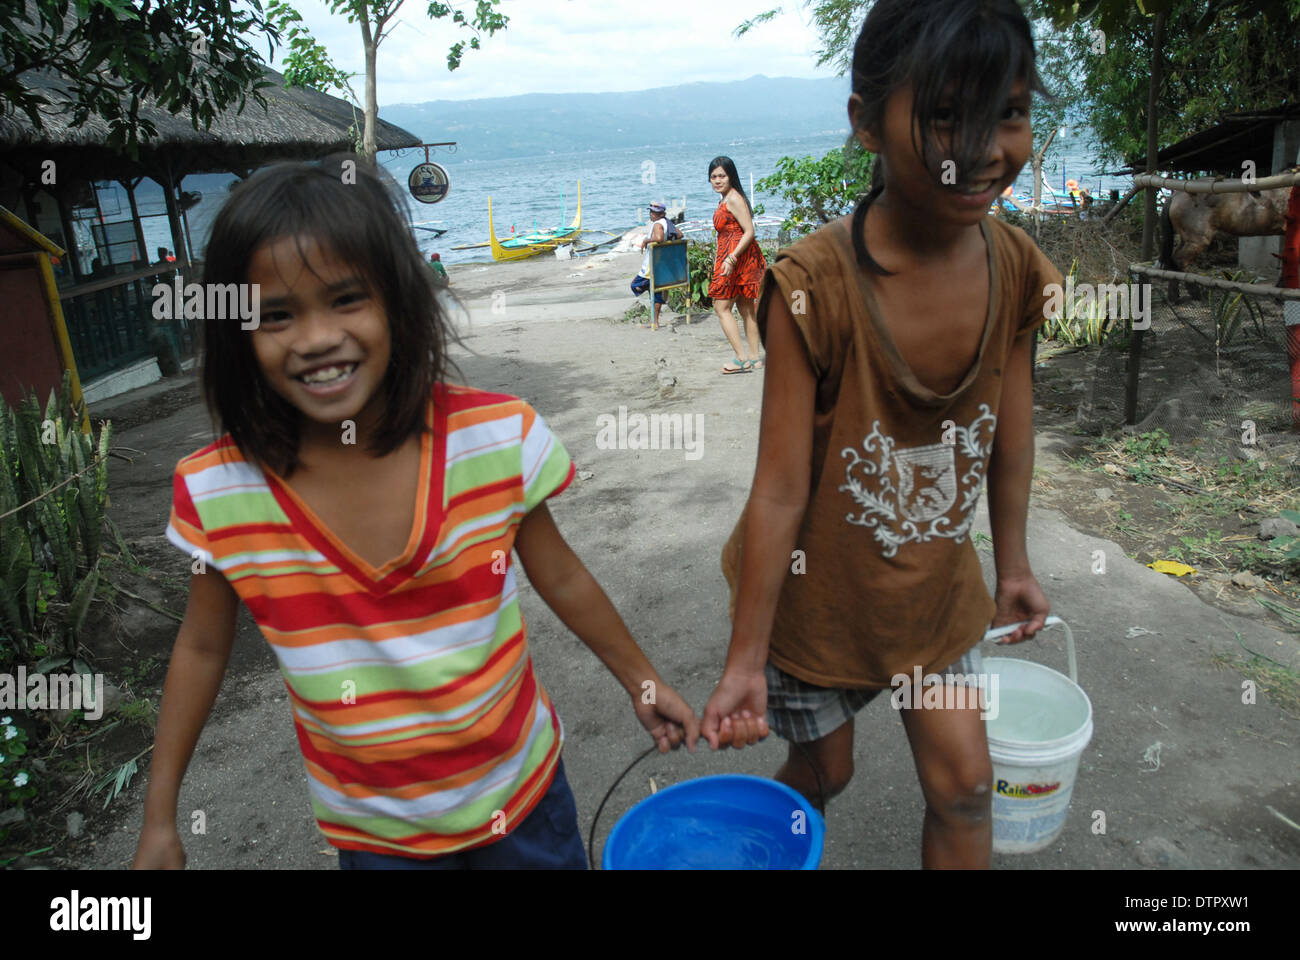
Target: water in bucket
column 728, row 822
column 1029, row 716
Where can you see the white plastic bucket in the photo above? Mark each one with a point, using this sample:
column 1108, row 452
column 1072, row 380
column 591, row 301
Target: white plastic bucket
column 1038, row 726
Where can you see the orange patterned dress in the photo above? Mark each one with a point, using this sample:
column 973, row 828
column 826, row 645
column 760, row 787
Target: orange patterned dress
column 750, row 265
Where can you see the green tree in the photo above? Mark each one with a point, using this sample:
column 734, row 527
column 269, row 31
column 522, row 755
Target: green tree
column 1218, row 56
column 110, row 56
column 819, row 190
column 1165, row 68
column 308, row 64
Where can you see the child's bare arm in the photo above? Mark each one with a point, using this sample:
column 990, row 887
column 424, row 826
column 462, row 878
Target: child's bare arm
column 198, row 664
column 569, row 589
column 1018, row 595
column 777, row 502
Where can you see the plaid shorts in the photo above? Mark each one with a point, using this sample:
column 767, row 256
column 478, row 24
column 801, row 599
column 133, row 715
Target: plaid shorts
column 802, row 712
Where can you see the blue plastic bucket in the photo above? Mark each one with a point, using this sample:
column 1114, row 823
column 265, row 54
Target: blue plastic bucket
column 727, row 822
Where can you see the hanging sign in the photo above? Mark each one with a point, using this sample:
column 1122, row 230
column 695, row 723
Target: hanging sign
column 429, row 183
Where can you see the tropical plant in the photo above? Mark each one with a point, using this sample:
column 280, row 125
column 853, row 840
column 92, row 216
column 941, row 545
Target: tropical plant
column 819, row 190
column 1226, row 308
column 699, row 267
column 15, row 776
column 53, row 497
column 1079, row 324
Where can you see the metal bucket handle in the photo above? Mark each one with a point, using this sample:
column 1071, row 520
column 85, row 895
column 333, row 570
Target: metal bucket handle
column 995, row 632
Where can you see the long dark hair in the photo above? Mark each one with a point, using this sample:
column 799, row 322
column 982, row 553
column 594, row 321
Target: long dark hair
column 729, row 168
column 344, row 205
column 977, row 47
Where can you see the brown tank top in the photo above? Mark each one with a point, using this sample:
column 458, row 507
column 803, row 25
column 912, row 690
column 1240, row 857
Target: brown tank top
column 891, row 580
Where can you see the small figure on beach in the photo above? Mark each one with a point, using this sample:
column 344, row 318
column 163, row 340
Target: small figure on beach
column 738, row 267
column 372, row 515
column 660, row 229
column 899, row 341
column 440, row 277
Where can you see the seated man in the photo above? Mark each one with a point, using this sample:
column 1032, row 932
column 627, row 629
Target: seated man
column 440, row 277
column 659, row 230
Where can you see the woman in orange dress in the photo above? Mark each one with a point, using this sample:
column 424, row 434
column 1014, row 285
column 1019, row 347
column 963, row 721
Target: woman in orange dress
column 739, row 267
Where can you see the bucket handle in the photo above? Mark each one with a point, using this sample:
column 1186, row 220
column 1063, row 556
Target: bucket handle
column 724, row 738
column 995, row 632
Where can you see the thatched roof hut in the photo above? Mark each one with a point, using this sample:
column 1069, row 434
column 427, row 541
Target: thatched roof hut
column 295, row 124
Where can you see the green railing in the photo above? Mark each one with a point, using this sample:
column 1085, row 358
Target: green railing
column 111, row 325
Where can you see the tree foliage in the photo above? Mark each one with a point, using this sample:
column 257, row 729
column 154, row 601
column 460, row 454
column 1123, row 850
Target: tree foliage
column 189, row 56
column 1219, row 56
column 309, row 65
column 819, row 190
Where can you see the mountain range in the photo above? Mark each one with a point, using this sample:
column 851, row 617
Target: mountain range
column 540, row 123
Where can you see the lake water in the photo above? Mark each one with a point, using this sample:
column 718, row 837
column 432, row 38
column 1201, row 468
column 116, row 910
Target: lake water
column 617, row 186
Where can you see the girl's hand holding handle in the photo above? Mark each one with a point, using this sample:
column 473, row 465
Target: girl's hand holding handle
column 669, row 718
column 1020, row 598
column 159, row 849
column 737, row 711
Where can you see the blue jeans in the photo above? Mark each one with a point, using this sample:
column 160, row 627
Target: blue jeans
column 641, row 284
column 549, row 839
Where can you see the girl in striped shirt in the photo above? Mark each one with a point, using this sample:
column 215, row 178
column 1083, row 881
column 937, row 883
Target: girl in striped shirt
column 365, row 512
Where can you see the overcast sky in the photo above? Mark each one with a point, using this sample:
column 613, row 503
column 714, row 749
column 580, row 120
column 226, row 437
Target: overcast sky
column 574, row 46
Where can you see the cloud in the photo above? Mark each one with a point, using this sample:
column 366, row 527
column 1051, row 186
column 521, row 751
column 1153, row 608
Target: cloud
column 572, row 46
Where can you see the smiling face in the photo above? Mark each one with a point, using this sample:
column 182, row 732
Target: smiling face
column 965, row 200
column 323, row 343
column 719, row 180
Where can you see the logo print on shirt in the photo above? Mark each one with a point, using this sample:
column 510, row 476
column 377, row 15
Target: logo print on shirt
column 907, row 495
column 927, row 481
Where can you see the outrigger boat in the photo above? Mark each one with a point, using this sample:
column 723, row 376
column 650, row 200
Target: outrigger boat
column 539, row 241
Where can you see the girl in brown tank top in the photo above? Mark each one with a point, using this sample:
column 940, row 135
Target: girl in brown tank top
column 898, row 341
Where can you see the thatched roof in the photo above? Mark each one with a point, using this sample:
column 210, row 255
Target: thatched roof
column 1220, row 149
column 296, row 124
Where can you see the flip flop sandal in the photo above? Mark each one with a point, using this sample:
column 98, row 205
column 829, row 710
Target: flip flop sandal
column 758, row 364
column 740, row 366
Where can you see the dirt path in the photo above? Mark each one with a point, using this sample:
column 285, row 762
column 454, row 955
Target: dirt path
column 650, row 525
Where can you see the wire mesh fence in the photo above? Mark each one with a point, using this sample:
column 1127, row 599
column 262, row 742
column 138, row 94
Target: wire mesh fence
column 1214, row 367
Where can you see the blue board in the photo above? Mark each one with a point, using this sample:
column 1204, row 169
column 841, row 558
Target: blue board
column 668, row 265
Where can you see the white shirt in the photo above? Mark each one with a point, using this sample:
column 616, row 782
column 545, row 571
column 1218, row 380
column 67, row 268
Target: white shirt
column 645, row 260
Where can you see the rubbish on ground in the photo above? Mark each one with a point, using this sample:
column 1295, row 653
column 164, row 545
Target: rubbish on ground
column 1152, row 757
column 1171, row 567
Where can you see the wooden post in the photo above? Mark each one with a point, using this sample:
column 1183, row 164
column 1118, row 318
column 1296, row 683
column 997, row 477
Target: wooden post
column 174, row 222
column 70, row 239
column 1148, row 216
column 135, row 219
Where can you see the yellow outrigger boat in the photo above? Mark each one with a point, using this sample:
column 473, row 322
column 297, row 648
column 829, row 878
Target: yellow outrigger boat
column 539, row 241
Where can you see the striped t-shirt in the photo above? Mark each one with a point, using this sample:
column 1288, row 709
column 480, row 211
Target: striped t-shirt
column 422, row 724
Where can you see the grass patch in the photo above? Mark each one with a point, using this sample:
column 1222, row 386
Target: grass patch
column 1279, row 683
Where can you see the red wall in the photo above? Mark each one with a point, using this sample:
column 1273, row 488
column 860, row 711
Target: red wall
column 29, row 350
